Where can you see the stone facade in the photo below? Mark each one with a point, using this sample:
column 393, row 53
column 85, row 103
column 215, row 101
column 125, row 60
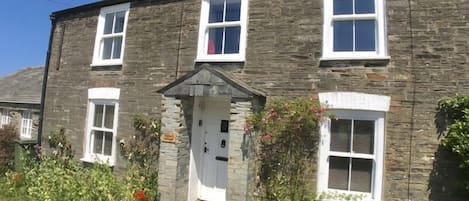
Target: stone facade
column 426, row 40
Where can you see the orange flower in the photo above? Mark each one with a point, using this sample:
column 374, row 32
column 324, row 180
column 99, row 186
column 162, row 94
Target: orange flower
column 139, row 195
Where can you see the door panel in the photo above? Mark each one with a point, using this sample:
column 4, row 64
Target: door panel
column 215, row 116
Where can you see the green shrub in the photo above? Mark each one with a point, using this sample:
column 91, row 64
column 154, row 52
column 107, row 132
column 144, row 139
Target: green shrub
column 142, row 152
column 454, row 115
column 57, row 177
column 288, row 135
column 7, row 148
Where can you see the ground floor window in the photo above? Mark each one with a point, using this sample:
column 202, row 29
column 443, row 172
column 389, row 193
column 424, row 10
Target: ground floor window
column 352, row 144
column 101, row 130
column 26, row 124
column 5, row 118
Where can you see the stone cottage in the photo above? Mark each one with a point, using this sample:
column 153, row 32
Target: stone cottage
column 20, row 101
column 203, row 66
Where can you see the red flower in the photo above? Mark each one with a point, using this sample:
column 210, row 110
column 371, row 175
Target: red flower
column 267, row 136
column 139, row 195
column 322, row 109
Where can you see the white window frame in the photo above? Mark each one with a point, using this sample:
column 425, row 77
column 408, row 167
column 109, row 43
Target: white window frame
column 358, row 106
column 328, row 33
column 98, row 47
column 204, row 26
column 5, row 118
column 103, row 96
column 26, row 124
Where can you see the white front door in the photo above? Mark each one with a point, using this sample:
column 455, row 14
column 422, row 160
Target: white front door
column 214, row 121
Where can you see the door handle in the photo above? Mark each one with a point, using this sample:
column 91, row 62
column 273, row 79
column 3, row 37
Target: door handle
column 205, row 149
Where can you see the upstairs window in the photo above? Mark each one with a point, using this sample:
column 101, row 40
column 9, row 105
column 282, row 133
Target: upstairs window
column 5, row 119
column 26, row 124
column 222, row 35
column 354, row 29
column 110, row 35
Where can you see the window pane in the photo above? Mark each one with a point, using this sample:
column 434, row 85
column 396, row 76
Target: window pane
column 116, row 54
column 215, row 40
column 98, row 142
column 340, row 135
column 363, row 135
column 108, row 23
column 232, row 39
column 107, row 48
column 108, row 144
column 343, row 7
column 120, row 17
column 343, row 36
column 365, row 35
column 233, row 10
column 364, row 6
column 338, row 173
column 216, row 11
column 109, row 117
column 98, row 115
column 362, row 170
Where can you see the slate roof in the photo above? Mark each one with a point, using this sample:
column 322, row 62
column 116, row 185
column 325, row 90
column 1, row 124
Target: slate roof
column 24, row 86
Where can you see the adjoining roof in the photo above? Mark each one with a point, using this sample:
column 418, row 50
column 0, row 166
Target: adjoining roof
column 23, row 86
column 208, row 81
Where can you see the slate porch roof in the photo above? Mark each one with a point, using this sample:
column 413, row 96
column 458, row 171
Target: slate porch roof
column 212, row 82
column 24, row 86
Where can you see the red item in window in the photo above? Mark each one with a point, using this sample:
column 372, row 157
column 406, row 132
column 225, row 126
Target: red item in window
column 211, row 47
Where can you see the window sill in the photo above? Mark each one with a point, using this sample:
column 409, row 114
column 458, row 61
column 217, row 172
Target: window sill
column 89, row 159
column 106, row 66
column 353, row 61
column 106, row 63
column 219, row 59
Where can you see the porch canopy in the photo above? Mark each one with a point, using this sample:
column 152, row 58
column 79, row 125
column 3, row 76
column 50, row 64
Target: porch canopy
column 208, row 81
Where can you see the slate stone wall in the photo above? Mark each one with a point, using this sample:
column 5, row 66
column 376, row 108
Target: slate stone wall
column 427, row 43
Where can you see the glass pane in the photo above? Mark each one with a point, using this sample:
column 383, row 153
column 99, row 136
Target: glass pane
column 107, row 48
column 98, row 115
column 232, row 39
column 338, row 173
column 109, row 117
column 233, row 10
column 340, row 135
column 108, row 23
column 108, row 144
column 120, row 17
column 98, row 142
column 363, row 135
column 116, row 54
column 216, row 11
column 342, row 7
column 365, row 35
column 343, row 36
column 215, row 40
column 364, row 6
column 362, row 170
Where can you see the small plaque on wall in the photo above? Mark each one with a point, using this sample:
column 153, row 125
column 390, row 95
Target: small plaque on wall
column 169, row 138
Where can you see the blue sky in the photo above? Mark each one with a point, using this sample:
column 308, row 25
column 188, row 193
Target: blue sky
column 25, row 29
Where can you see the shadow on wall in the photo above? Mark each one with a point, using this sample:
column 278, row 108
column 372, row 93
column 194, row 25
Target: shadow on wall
column 443, row 184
